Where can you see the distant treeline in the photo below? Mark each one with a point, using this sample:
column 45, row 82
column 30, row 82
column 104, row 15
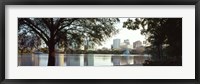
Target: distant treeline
column 45, row 50
column 101, row 52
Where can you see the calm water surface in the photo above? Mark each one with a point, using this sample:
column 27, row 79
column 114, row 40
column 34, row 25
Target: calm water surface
column 83, row 60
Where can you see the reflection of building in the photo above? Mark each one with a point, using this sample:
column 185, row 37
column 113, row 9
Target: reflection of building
column 122, row 60
column 129, row 60
column 90, row 60
column 116, row 44
column 79, row 60
column 74, row 60
column 116, row 60
column 60, row 60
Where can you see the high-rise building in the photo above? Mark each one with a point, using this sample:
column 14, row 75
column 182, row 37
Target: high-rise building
column 89, row 45
column 137, row 44
column 116, row 44
column 127, row 42
column 125, row 46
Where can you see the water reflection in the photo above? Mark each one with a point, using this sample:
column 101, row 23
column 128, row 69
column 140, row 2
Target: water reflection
column 82, row 60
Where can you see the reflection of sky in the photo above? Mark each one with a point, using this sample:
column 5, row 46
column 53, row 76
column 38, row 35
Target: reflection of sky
column 80, row 60
column 123, row 34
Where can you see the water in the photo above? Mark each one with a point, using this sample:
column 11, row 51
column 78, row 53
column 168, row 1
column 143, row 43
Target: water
column 83, row 60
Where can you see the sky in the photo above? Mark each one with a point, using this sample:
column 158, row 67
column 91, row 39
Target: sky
column 124, row 33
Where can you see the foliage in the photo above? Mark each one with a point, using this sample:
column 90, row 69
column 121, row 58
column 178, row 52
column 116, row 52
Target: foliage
column 162, row 34
column 100, row 51
column 27, row 41
column 68, row 32
column 44, row 50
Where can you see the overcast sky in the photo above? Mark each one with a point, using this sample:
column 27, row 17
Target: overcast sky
column 124, row 33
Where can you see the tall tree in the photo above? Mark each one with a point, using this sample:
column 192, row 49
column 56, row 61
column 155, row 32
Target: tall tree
column 160, row 31
column 65, row 30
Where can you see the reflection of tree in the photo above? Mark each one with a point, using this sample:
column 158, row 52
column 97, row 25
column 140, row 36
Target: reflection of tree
column 85, row 59
column 26, row 60
column 68, row 31
column 73, row 60
column 35, row 59
column 164, row 34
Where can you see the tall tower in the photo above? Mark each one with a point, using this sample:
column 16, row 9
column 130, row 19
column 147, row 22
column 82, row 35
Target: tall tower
column 116, row 44
column 127, row 42
column 137, row 44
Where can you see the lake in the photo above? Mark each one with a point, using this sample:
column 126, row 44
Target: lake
column 83, row 60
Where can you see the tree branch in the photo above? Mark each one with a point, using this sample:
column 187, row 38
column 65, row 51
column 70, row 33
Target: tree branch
column 47, row 23
column 59, row 29
column 33, row 25
column 37, row 32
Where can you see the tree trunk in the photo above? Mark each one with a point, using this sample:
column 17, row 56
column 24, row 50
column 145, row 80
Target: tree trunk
column 51, row 60
column 51, row 45
column 160, row 53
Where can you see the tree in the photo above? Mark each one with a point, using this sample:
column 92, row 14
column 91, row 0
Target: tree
column 27, row 41
column 67, row 31
column 160, row 32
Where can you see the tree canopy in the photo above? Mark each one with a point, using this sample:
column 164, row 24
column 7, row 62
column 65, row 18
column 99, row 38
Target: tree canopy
column 68, row 31
column 161, row 33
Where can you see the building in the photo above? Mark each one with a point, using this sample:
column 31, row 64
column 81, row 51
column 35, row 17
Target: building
column 121, row 46
column 137, row 44
column 125, row 46
column 116, row 44
column 111, row 46
column 104, row 48
column 89, row 45
column 127, row 42
column 138, row 47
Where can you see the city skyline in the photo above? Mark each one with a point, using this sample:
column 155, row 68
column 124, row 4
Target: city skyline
column 121, row 45
column 80, row 36
column 124, row 33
